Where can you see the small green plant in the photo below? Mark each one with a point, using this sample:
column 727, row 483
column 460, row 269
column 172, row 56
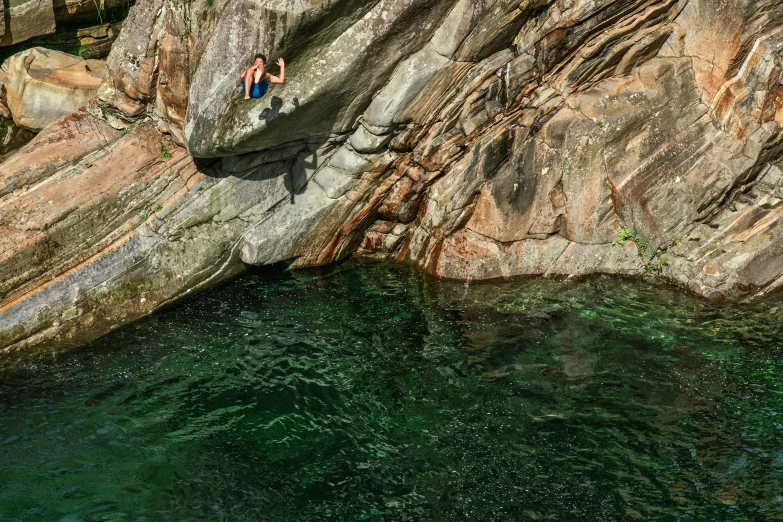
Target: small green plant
column 631, row 234
column 677, row 240
column 157, row 52
column 600, row 125
column 144, row 216
column 577, row 108
column 158, row 207
column 185, row 32
column 210, row 2
column 626, row 234
column 81, row 52
column 101, row 148
column 163, row 152
column 124, row 132
column 656, row 264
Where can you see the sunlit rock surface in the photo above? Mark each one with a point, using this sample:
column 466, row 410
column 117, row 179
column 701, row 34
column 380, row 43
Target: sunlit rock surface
column 479, row 140
column 43, row 85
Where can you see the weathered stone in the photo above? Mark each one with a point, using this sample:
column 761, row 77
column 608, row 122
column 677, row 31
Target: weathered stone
column 12, row 138
column 173, row 83
column 279, row 237
column 405, row 84
column 349, row 161
column 44, row 85
column 715, row 34
column 131, row 69
column 557, row 164
column 524, row 136
column 25, row 19
column 364, row 141
column 92, row 42
column 119, row 227
column 58, row 146
column 88, row 11
column 5, row 112
column 382, row 240
column 468, row 256
column 334, row 182
column 458, row 24
column 496, row 29
column 326, row 90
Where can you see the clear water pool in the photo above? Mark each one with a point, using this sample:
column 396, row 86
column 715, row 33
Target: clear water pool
column 371, row 392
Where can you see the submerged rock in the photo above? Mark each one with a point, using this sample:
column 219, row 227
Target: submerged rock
column 479, row 140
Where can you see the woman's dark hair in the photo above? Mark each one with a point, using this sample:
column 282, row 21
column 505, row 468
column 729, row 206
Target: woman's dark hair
column 259, row 55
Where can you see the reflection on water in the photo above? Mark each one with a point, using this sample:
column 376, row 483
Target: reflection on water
column 374, row 393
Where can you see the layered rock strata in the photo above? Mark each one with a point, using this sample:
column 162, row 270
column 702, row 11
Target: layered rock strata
column 92, row 41
column 87, row 12
column 478, row 139
column 24, row 19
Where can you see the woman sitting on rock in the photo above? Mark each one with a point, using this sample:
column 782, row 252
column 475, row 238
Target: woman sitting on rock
column 255, row 79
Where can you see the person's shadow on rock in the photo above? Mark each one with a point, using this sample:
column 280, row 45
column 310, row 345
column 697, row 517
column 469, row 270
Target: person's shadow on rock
column 272, row 113
column 296, row 178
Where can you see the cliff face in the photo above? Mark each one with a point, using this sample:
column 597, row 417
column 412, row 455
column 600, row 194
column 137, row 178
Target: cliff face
column 478, row 139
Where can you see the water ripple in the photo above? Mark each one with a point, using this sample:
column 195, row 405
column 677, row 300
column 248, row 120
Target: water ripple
column 370, row 392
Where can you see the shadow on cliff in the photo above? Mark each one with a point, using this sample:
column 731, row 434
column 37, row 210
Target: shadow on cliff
column 295, row 160
column 295, row 178
column 274, row 111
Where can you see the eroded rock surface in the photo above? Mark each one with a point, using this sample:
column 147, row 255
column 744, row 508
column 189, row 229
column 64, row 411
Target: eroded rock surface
column 44, row 85
column 24, row 19
column 12, row 138
column 82, row 12
column 478, row 139
column 93, row 41
column 27, row 19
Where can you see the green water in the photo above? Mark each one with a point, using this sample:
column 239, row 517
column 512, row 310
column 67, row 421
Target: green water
column 375, row 393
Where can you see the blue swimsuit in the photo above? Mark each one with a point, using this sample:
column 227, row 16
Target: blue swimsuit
column 257, row 90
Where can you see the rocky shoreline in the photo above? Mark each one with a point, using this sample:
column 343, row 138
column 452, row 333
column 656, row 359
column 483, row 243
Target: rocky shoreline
column 477, row 139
